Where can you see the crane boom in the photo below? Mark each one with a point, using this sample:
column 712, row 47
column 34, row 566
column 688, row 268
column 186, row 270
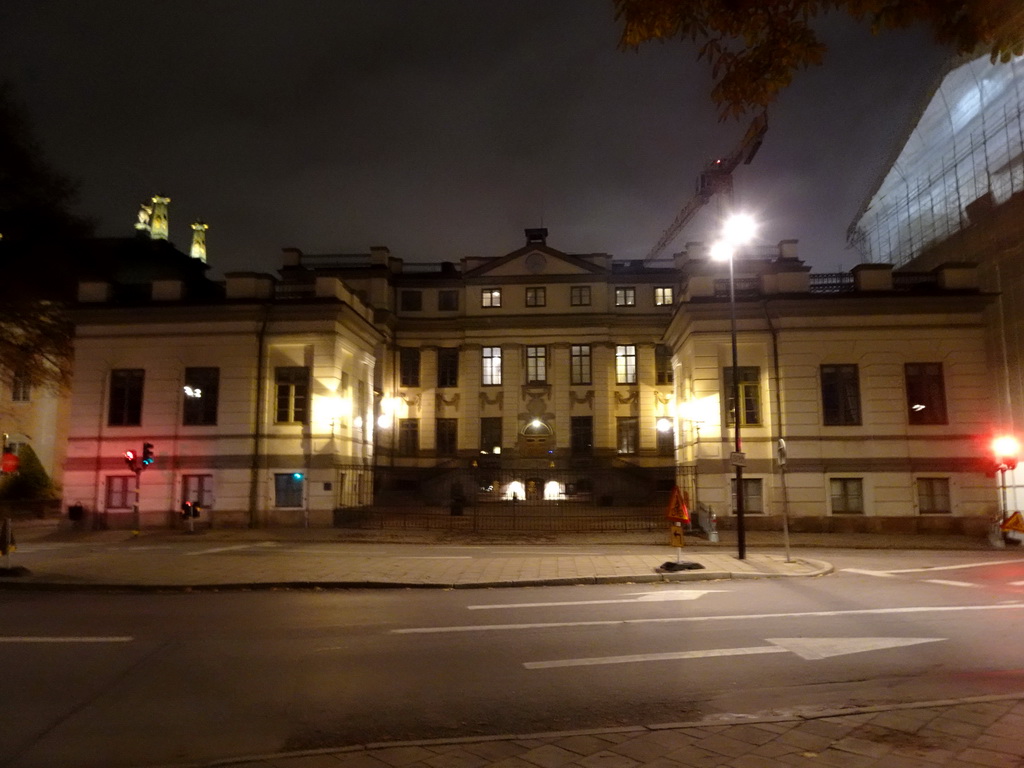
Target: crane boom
column 716, row 177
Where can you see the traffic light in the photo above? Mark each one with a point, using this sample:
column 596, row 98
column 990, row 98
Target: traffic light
column 189, row 509
column 147, row 454
column 129, row 459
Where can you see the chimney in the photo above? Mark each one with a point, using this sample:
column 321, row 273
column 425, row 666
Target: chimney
column 537, row 236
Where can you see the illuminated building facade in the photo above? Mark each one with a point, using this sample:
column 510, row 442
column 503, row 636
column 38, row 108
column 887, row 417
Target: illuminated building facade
column 560, row 381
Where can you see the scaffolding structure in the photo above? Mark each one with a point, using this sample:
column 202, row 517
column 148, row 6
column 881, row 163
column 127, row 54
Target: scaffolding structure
column 965, row 154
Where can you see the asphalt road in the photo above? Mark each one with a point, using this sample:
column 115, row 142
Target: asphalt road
column 131, row 680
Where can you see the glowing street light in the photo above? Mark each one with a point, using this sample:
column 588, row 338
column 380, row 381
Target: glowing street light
column 737, row 230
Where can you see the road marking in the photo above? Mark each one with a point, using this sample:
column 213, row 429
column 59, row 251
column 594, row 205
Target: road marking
column 808, row 648
column 1017, row 583
column 215, row 550
column 638, row 597
column 954, row 567
column 864, row 572
column 693, row 619
column 949, row 583
column 27, row 639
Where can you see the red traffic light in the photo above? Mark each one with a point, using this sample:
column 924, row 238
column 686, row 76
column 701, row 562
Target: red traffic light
column 1006, row 449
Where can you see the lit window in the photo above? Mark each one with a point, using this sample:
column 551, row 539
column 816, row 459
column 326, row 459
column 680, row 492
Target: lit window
column 625, row 297
column 625, row 364
column 663, row 297
column 491, row 366
column 490, row 297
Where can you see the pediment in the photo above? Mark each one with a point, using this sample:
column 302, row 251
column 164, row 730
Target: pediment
column 536, row 261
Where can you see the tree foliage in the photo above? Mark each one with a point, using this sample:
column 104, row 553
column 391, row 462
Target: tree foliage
column 755, row 47
column 37, row 235
column 30, row 482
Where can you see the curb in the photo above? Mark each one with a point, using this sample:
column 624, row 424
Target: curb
column 821, row 568
column 723, row 720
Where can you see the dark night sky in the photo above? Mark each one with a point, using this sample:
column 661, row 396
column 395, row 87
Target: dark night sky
column 439, row 129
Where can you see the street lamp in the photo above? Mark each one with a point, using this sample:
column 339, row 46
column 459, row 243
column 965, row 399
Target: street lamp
column 737, row 230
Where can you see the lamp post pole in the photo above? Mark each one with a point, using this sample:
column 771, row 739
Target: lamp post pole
column 737, row 457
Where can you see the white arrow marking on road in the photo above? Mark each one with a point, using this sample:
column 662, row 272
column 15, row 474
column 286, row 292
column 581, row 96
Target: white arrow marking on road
column 691, row 619
column 66, row 639
column 634, row 597
column 809, row 648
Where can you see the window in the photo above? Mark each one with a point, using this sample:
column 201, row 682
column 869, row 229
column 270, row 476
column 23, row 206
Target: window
column 840, row 395
column 292, row 384
column 408, row 437
column 198, row 489
column 447, row 367
column 627, row 434
column 536, row 297
column 492, row 366
column 536, row 365
column 662, row 365
column 448, row 300
column 753, row 500
column 579, row 296
column 490, row 297
column 410, row 301
column 625, row 297
column 625, row 364
column 490, row 434
column 926, row 393
column 126, row 397
column 847, row 496
column 21, row 389
column 201, row 390
column 409, row 366
column 750, row 396
column 579, row 364
column 933, row 496
column 288, row 489
column 447, row 437
column 120, row 492
column 663, row 297
column 581, row 435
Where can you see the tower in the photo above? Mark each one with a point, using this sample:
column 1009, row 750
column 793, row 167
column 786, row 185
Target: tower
column 199, row 240
column 158, row 225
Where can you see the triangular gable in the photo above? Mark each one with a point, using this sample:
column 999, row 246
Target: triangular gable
column 534, row 260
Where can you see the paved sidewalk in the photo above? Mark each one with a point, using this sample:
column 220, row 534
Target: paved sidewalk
column 317, row 558
column 967, row 733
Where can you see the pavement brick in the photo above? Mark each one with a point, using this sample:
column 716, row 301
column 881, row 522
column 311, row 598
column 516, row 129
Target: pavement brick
column 693, row 756
column 973, row 756
column 724, row 745
column 397, row 757
column 583, row 745
column 607, row 759
column 549, row 756
column 456, row 758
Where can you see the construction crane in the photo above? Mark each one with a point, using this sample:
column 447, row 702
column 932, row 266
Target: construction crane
column 716, row 177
